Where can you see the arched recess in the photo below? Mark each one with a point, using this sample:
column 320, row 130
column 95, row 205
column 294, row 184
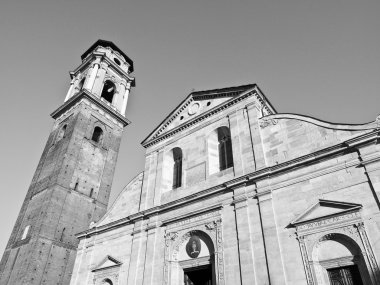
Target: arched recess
column 172, row 169
column 97, row 135
column 81, row 83
column 107, row 281
column 219, row 150
column 108, row 91
column 25, row 232
column 336, row 257
column 62, row 132
column 179, row 260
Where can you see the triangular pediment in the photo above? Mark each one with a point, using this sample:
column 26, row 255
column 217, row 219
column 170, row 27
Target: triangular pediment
column 199, row 103
column 107, row 262
column 325, row 208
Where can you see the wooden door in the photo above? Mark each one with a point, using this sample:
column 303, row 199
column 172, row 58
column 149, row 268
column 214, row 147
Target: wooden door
column 348, row 275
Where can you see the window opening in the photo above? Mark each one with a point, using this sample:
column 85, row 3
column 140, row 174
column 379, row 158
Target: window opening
column 107, row 282
column 225, row 148
column 177, row 167
column 61, row 133
column 91, row 192
column 25, row 233
column 108, row 91
column 76, row 185
column 97, row 135
column 81, row 83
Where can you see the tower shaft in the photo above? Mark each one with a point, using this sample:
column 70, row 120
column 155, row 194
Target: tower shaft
column 71, row 185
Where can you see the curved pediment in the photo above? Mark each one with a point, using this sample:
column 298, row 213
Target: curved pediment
column 126, row 203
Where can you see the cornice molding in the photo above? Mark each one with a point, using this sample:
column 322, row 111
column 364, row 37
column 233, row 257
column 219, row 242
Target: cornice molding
column 103, row 58
column 84, row 94
column 255, row 176
column 157, row 137
column 273, row 119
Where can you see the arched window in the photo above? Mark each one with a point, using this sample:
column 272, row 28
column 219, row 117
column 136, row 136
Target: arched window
column 107, row 282
column 81, row 83
column 97, row 135
column 219, row 150
column 225, row 148
column 172, row 169
column 177, row 167
column 61, row 133
column 108, row 91
column 25, row 233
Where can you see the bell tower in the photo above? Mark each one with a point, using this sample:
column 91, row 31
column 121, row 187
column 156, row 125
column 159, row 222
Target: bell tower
column 72, row 182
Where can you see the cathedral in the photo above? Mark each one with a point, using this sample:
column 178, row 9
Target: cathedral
column 232, row 193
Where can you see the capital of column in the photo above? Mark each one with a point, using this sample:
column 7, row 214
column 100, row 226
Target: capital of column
column 123, row 82
column 128, row 85
column 103, row 65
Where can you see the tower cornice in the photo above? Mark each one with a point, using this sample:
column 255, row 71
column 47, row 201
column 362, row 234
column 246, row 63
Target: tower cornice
column 104, row 58
column 83, row 95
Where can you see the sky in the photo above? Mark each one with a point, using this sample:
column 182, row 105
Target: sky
column 316, row 58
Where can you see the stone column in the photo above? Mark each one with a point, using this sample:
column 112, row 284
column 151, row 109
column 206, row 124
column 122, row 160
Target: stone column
column 120, row 96
column 125, row 97
column 154, row 198
column 68, row 95
column 244, row 161
column 258, row 244
column 253, row 118
column 135, row 274
column 272, row 246
column 153, row 249
column 93, row 72
column 236, row 144
column 150, row 176
column 99, row 82
column 247, row 268
column 230, row 247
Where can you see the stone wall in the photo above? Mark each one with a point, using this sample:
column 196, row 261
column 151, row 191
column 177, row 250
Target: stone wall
column 285, row 167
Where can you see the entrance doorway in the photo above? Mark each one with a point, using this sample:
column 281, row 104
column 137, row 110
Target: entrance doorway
column 347, row 275
column 201, row 275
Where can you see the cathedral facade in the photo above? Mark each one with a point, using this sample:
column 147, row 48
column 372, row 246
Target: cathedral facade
column 232, row 193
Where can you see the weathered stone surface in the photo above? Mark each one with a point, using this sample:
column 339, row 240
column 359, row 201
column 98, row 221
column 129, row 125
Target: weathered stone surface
column 71, row 186
column 301, row 198
column 246, row 215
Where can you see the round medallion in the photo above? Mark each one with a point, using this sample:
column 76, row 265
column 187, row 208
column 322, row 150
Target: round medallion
column 194, row 108
column 193, row 247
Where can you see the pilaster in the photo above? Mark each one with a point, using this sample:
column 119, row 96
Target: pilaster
column 254, row 114
column 247, row 268
column 260, row 263
column 236, row 143
column 272, row 246
column 136, row 269
column 150, row 176
column 230, row 246
column 154, row 254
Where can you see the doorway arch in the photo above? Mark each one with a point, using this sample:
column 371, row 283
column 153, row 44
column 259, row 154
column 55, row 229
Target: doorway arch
column 337, row 257
column 181, row 262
